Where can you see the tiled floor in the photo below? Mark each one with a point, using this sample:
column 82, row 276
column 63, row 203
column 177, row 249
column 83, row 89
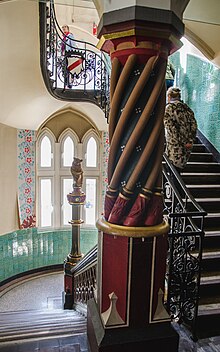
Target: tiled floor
column 37, row 293
column 45, row 292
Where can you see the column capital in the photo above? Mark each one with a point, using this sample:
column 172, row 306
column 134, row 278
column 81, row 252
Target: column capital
column 152, row 24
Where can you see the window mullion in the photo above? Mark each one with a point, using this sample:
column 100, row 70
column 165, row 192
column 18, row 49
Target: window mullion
column 80, row 153
column 57, row 185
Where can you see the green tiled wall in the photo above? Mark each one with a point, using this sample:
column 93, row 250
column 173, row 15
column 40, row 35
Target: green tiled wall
column 30, row 249
column 200, row 87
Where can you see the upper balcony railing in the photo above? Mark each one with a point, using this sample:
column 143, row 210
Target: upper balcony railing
column 74, row 72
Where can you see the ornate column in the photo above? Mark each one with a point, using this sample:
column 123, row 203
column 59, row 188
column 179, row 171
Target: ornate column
column 76, row 199
column 129, row 313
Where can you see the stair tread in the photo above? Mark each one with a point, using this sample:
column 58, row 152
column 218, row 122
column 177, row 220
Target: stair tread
column 212, row 215
column 203, row 186
column 207, row 309
column 212, row 233
column 200, row 153
column 26, row 325
column 203, row 199
column 209, row 215
column 200, row 173
column 34, row 330
column 207, row 274
column 203, row 163
column 207, row 280
column 211, row 254
column 47, row 322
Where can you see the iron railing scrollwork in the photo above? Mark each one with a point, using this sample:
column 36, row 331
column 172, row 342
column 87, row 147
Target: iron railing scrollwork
column 185, row 238
column 80, row 74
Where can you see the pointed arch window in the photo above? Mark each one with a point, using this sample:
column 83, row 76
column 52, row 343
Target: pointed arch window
column 55, row 181
column 91, row 152
column 46, row 152
column 68, row 151
column 68, row 144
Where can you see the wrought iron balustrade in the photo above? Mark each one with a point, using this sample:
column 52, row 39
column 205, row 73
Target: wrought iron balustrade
column 81, row 73
column 186, row 218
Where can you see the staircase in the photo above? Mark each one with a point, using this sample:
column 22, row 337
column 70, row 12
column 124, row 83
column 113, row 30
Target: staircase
column 43, row 330
column 202, row 177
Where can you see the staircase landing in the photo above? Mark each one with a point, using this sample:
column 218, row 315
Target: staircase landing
column 59, row 341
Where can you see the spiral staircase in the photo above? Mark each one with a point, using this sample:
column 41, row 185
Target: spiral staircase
column 201, row 177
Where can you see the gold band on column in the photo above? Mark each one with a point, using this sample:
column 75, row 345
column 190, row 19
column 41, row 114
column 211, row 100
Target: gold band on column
column 134, row 231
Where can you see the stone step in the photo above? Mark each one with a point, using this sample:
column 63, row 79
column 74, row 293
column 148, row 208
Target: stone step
column 210, row 205
column 208, row 321
column 72, row 343
column 210, row 261
column 211, row 222
column 210, row 178
column 209, row 290
column 199, row 148
column 26, row 325
column 201, row 157
column 211, row 240
column 204, row 190
column 201, row 167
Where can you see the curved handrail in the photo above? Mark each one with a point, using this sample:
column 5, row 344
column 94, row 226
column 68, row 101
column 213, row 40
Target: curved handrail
column 79, row 74
column 89, row 259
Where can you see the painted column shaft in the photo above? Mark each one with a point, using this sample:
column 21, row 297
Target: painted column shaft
column 76, row 212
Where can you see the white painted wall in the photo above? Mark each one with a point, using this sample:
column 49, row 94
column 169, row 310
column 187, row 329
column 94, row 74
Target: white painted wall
column 8, row 179
column 25, row 101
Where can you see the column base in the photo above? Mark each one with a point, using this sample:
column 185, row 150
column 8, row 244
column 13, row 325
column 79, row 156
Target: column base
column 74, row 259
column 154, row 337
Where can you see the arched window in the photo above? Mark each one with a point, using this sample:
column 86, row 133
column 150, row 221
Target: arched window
column 91, row 177
column 45, row 173
column 68, row 151
column 45, row 152
column 91, row 153
column 55, row 180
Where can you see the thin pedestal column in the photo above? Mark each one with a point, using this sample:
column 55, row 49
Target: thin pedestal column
column 76, row 199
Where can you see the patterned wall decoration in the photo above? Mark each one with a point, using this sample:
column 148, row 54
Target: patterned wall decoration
column 105, row 154
column 28, row 249
column 200, row 86
column 26, row 178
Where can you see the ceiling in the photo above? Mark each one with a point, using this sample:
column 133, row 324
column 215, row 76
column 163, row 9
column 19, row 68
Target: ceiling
column 202, row 27
column 25, row 102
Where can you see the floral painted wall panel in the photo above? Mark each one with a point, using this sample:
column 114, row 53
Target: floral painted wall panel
column 26, row 178
column 105, row 154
